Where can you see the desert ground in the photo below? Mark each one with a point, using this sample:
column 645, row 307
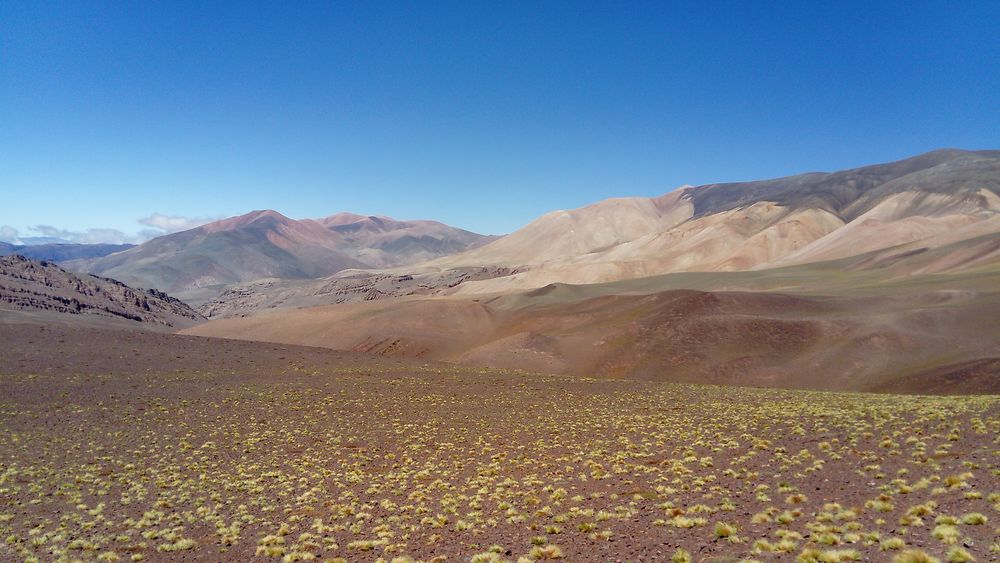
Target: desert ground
column 942, row 338
column 129, row 445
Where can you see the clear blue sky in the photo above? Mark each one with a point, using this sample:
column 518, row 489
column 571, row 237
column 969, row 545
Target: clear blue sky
column 482, row 115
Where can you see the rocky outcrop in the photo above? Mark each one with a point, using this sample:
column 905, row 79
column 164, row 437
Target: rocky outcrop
column 30, row 285
column 346, row 287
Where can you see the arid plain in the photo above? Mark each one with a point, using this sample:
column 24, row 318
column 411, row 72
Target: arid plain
column 148, row 446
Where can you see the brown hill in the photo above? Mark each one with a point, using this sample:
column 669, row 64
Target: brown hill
column 888, row 339
column 751, row 225
column 42, row 291
column 196, row 264
column 815, row 217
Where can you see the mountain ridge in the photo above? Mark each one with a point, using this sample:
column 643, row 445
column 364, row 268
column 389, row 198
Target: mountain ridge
column 748, row 225
column 929, row 201
column 196, row 264
column 62, row 252
column 31, row 289
column 714, row 198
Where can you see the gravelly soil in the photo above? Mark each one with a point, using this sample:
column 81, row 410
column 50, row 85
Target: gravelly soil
column 156, row 447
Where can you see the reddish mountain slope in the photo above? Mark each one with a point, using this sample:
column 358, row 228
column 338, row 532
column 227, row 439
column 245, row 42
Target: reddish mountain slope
column 196, row 264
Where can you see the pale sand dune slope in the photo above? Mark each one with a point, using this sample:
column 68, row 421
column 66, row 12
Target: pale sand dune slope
column 749, row 225
column 734, row 240
column 903, row 218
column 765, row 235
column 559, row 234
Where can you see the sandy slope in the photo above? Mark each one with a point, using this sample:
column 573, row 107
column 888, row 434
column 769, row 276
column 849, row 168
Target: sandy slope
column 852, row 342
column 754, row 225
column 733, row 240
column 764, row 235
column 905, row 218
column 761, row 237
column 587, row 230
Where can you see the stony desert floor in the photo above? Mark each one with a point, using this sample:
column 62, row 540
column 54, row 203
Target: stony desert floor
column 140, row 446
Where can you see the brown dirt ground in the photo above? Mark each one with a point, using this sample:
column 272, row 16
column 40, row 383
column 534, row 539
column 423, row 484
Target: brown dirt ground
column 888, row 342
column 189, row 449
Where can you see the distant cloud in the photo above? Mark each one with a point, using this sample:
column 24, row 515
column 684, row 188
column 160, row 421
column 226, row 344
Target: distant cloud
column 158, row 223
column 9, row 234
column 173, row 223
column 88, row 236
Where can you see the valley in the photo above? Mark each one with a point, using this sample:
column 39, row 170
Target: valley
column 805, row 368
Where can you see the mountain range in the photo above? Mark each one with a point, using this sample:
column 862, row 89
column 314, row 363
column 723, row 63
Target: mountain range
column 936, row 199
column 196, row 264
column 932, row 201
column 61, row 252
column 884, row 277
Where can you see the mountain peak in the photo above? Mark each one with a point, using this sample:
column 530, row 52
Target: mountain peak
column 348, row 218
column 241, row 221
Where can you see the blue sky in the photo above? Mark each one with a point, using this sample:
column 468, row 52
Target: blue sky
column 143, row 117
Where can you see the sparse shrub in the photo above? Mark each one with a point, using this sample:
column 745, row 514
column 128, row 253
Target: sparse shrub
column 958, row 555
column 487, row 557
column 797, row 498
column 179, row 545
column 545, row 552
column 828, row 556
column 914, row 556
column 974, row 519
column 946, row 533
column 892, row 544
column 723, row 530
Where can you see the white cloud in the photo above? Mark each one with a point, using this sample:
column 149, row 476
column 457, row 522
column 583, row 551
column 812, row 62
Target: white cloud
column 88, row 236
column 173, row 223
column 9, row 234
column 159, row 224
